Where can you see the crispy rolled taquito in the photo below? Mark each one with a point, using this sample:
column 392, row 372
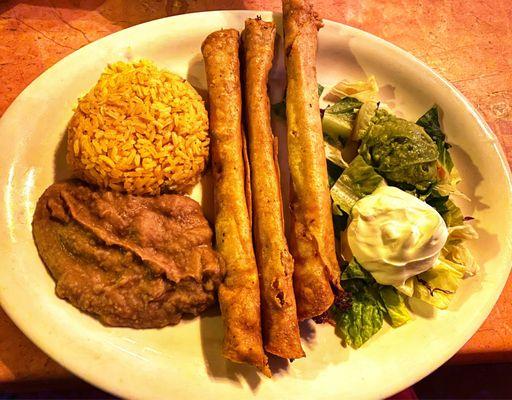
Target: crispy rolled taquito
column 312, row 235
column 275, row 263
column 239, row 295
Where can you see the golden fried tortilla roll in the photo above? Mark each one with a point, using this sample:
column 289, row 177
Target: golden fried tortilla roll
column 312, row 236
column 239, row 295
column 275, row 263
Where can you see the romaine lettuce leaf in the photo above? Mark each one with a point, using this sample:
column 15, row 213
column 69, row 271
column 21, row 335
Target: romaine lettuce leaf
column 364, row 119
column 447, row 183
column 395, row 306
column 370, row 303
column 333, row 154
column 364, row 317
column 407, row 288
column 461, row 232
column 338, row 120
column 430, row 122
column 355, row 271
column 458, row 253
column 437, row 201
column 401, row 152
column 320, row 89
column 451, row 214
column 356, row 181
column 438, row 285
column 455, row 249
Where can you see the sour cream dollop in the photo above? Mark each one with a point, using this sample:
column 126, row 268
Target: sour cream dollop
column 395, row 235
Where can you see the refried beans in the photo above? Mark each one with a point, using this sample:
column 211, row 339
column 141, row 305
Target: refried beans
column 139, row 262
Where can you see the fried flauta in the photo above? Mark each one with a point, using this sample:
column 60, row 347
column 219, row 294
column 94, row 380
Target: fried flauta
column 312, row 235
column 239, row 295
column 275, row 263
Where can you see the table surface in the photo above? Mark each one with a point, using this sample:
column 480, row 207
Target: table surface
column 468, row 42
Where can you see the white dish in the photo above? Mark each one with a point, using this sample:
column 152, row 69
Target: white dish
column 185, row 361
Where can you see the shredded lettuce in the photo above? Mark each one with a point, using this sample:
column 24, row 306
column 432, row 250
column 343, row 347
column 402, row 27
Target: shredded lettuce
column 395, row 306
column 363, row 91
column 357, row 180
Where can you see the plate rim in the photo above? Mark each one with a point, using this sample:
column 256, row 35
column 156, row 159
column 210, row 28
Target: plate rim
column 106, row 384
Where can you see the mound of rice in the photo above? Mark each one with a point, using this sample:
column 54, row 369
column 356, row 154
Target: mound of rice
column 141, row 130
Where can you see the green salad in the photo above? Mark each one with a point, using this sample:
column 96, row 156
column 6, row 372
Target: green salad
column 398, row 159
column 392, row 184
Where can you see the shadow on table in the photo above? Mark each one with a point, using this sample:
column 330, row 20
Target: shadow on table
column 482, row 381
column 52, row 389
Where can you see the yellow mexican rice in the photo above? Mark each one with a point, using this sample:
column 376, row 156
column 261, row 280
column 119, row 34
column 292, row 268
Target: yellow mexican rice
column 140, row 129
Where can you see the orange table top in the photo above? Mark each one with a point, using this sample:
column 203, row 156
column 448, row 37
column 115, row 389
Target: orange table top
column 468, row 42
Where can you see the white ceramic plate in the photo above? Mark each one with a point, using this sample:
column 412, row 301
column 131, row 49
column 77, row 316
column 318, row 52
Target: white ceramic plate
column 184, row 362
